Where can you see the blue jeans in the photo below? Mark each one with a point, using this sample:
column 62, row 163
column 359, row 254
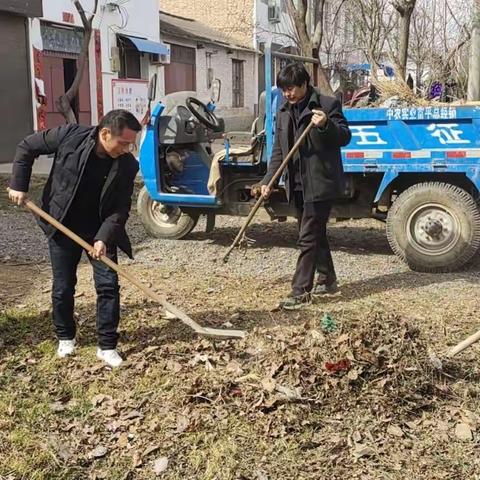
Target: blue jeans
column 65, row 256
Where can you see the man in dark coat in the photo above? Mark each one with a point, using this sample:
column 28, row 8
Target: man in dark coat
column 313, row 179
column 89, row 190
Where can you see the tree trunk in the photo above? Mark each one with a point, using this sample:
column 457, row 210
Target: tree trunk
column 64, row 102
column 309, row 42
column 324, row 82
column 321, row 76
column 404, row 34
column 373, row 66
column 65, row 108
column 474, row 60
column 405, row 9
column 419, row 75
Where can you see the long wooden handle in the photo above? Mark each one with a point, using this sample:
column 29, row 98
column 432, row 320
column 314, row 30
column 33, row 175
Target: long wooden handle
column 270, row 185
column 141, row 286
column 463, row 345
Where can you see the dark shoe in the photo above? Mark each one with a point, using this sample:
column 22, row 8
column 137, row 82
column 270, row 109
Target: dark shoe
column 322, row 289
column 295, row 302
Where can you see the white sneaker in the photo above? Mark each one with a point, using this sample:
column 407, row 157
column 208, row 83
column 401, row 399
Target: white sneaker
column 110, row 357
column 66, row 348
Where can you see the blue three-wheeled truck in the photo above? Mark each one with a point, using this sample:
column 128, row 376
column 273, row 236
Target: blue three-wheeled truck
column 417, row 168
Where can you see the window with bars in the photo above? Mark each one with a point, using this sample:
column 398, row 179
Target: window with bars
column 237, row 84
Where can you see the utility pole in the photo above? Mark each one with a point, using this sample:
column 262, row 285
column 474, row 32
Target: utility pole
column 474, row 61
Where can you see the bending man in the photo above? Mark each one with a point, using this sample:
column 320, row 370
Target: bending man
column 89, row 190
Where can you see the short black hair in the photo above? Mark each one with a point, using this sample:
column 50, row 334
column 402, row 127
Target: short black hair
column 294, row 74
column 117, row 120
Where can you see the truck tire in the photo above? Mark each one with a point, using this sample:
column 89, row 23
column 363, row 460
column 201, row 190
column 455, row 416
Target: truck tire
column 434, row 227
column 164, row 221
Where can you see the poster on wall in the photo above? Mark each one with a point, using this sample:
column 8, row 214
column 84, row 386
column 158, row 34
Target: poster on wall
column 131, row 95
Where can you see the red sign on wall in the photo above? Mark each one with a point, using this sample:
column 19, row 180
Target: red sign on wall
column 68, row 17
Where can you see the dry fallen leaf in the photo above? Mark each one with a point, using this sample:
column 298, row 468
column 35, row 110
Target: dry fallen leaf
column 354, row 373
column 182, row 423
column 463, row 432
column 133, row 414
column 247, row 378
column 64, row 453
column 111, row 411
column 443, row 426
column 269, row 384
column 68, row 427
column 123, row 440
column 151, row 449
column 413, row 425
column 289, row 393
column 160, row 465
column 260, row 475
column 363, row 451
column 57, row 407
column 395, row 431
column 173, row 366
column 317, row 337
column 136, row 459
column 234, row 367
column 342, row 338
column 357, row 436
column 98, row 452
column 470, row 418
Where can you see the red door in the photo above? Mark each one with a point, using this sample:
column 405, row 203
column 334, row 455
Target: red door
column 180, row 73
column 54, row 86
column 58, row 74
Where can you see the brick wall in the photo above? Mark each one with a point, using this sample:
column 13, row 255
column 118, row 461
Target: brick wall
column 235, row 118
column 217, row 58
column 232, row 18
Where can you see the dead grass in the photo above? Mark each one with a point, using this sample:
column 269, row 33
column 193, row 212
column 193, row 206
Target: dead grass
column 266, row 407
column 400, row 89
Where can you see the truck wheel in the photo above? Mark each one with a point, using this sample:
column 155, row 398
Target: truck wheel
column 434, row 227
column 164, row 221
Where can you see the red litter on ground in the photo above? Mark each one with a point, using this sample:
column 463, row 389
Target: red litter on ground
column 341, row 366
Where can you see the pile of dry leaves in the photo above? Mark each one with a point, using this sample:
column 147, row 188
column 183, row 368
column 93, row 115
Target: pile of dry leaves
column 322, row 398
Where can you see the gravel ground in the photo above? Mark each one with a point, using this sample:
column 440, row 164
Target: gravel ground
column 360, row 250
column 272, row 254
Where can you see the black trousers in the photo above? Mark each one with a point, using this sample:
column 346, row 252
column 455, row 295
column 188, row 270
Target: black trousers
column 313, row 244
column 65, row 255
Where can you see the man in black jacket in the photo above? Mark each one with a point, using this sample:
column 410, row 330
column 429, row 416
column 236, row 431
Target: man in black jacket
column 89, row 190
column 313, row 179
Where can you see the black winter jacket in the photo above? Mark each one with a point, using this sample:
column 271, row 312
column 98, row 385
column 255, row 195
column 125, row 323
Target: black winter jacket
column 72, row 145
column 320, row 161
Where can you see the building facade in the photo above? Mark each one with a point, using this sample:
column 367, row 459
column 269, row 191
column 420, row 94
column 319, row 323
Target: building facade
column 16, row 101
column 124, row 52
column 198, row 55
column 247, row 23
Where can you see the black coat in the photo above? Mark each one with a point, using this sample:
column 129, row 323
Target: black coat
column 72, row 145
column 320, row 161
